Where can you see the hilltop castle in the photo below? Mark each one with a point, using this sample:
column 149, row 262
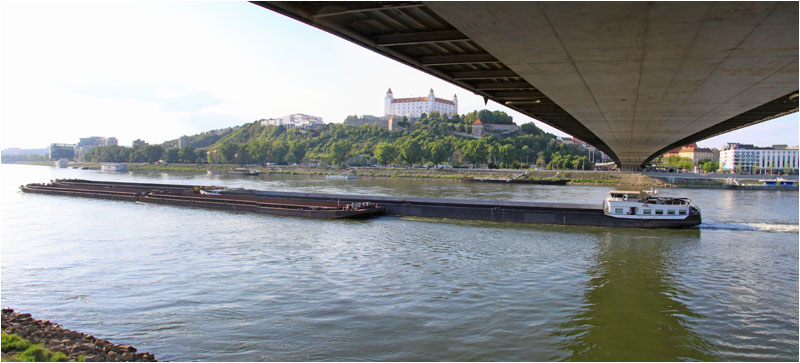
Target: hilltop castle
column 415, row 106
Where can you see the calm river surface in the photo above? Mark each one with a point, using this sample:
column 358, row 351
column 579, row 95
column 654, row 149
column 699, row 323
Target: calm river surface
column 194, row 284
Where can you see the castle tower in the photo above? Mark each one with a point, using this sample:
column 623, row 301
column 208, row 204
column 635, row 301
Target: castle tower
column 455, row 102
column 431, row 101
column 387, row 103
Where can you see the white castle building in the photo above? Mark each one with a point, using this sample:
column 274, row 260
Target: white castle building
column 415, row 106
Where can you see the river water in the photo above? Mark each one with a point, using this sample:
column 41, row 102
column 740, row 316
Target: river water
column 194, row 284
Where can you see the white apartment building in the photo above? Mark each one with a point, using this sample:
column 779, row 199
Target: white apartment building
column 416, row 106
column 297, row 120
column 748, row 158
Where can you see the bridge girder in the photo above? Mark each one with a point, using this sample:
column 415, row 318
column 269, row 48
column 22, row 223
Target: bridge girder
column 634, row 79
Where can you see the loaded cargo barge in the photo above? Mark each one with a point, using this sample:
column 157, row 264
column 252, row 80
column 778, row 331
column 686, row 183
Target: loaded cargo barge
column 621, row 209
column 191, row 196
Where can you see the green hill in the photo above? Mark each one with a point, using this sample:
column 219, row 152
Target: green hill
column 434, row 139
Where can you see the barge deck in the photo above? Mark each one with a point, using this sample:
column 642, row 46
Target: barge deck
column 467, row 209
column 190, row 196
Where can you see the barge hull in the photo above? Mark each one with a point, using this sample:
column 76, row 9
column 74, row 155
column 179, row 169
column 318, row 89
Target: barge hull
column 484, row 210
column 186, row 198
column 496, row 211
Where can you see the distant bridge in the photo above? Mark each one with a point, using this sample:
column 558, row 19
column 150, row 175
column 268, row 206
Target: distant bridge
column 634, row 79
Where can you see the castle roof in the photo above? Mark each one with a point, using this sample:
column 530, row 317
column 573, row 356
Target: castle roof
column 477, row 122
column 389, row 91
column 422, row 99
column 412, row 99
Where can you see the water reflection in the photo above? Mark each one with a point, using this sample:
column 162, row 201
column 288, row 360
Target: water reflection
column 633, row 308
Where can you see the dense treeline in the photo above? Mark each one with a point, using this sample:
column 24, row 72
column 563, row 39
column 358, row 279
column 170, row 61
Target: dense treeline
column 686, row 164
column 10, row 159
column 428, row 141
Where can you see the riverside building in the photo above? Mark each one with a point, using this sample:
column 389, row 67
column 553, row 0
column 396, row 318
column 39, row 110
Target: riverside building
column 416, row 106
column 747, row 158
column 297, row 120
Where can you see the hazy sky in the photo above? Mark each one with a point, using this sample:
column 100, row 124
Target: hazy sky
column 159, row 70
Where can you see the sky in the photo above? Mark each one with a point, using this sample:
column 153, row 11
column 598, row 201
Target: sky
column 157, row 70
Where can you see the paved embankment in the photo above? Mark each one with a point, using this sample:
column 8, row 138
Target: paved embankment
column 74, row 344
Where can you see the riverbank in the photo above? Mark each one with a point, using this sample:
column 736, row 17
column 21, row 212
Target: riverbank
column 76, row 346
column 590, row 178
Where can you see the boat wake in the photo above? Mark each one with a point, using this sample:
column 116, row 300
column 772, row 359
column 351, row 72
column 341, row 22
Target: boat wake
column 766, row 227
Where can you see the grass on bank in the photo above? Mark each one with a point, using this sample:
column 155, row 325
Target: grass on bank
column 26, row 351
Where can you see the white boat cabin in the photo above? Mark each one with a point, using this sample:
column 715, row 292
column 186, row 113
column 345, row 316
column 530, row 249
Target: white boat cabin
column 646, row 205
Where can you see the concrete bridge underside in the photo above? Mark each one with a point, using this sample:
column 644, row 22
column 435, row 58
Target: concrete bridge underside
column 632, row 78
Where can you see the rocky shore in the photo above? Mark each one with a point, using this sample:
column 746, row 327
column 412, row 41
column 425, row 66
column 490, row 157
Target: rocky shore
column 74, row 344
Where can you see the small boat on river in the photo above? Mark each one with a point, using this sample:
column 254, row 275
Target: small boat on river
column 114, row 167
column 246, row 171
column 761, row 184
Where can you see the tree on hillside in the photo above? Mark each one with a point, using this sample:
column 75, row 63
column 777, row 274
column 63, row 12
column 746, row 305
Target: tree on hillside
column 297, row 151
column 531, row 129
column 280, row 149
column 540, row 161
column 578, row 162
column 243, row 155
column 338, row 152
column 227, row 152
column 411, row 151
column 475, row 152
column 507, row 155
column 173, row 156
column 438, row 151
column 385, row 152
column 187, row 155
column 557, row 161
column 258, row 149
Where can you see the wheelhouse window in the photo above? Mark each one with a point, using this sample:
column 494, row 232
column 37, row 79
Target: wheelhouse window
column 671, row 212
column 648, row 211
column 618, row 210
column 659, row 212
column 682, row 212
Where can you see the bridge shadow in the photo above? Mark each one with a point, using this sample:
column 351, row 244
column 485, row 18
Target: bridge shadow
column 632, row 309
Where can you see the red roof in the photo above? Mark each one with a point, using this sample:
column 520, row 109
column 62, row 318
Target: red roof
column 421, row 99
column 414, row 99
column 389, row 91
column 477, row 122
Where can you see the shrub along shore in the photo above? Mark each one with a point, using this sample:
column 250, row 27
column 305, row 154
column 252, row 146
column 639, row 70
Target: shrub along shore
column 29, row 339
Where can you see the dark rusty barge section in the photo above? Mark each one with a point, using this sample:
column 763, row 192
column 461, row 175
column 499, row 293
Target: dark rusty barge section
column 486, row 210
column 193, row 196
column 467, row 209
